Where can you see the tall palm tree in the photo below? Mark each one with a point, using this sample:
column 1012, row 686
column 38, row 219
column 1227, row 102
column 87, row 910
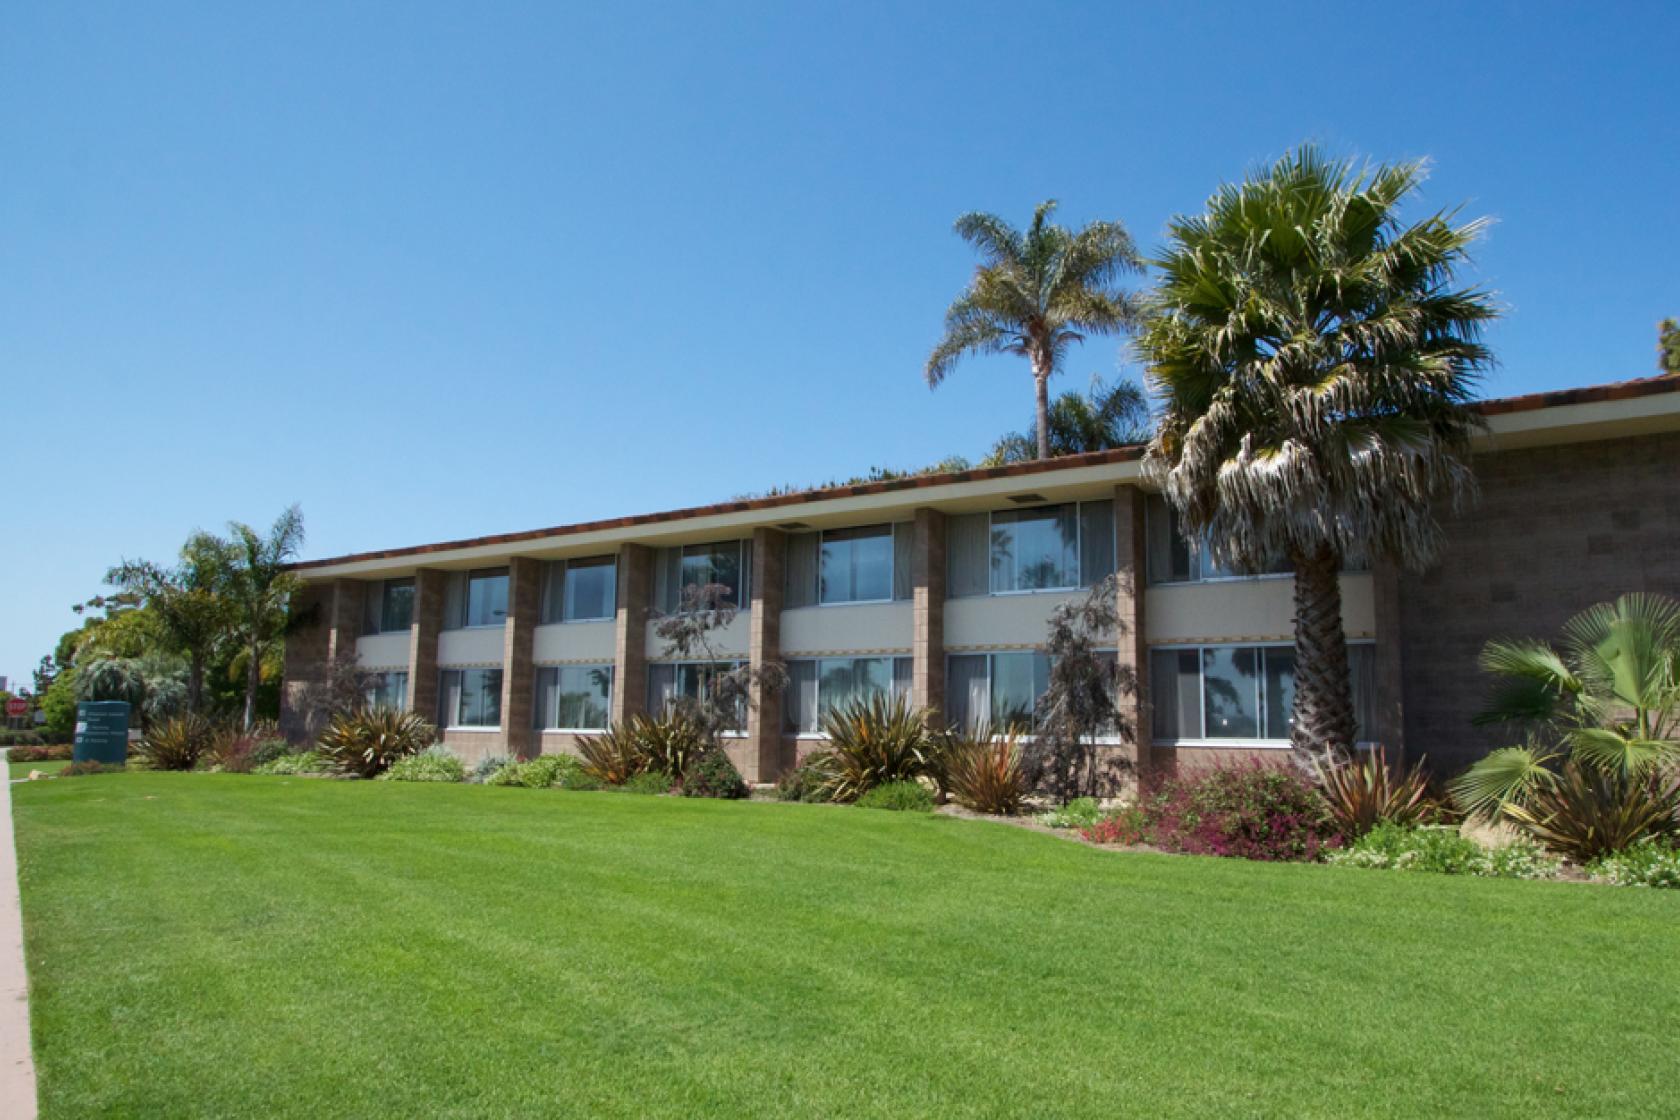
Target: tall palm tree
column 261, row 586
column 1035, row 294
column 1104, row 417
column 1315, row 364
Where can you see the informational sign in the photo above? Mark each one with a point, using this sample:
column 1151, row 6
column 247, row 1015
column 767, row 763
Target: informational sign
column 17, row 706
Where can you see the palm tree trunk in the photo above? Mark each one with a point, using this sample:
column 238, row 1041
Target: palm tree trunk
column 195, row 684
column 1041, row 391
column 1324, row 717
column 253, row 677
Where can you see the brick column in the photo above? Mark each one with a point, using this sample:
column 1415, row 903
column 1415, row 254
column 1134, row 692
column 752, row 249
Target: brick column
column 429, row 589
column 763, row 755
column 518, row 647
column 1387, row 704
column 635, row 592
column 344, row 624
column 307, row 651
column 1130, row 560
column 927, row 632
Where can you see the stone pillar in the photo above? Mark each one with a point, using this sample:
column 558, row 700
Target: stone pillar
column 763, row 756
column 344, row 624
column 1131, row 552
column 429, row 588
column 635, row 593
column 1387, row 704
column 308, row 646
column 518, row 649
column 927, row 632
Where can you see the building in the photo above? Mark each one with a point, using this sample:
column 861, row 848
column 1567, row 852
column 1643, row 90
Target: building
column 940, row 586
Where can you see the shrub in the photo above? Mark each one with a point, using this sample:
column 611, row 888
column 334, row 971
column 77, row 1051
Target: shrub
column 1363, row 791
column 713, row 775
column 177, row 744
column 612, row 757
column 1128, row 825
column 541, row 772
column 1251, row 810
column 1081, row 812
column 297, row 762
column 1649, row 863
column 21, row 739
column 803, row 783
column 871, row 743
column 61, row 753
column 668, row 744
column 487, row 767
column 234, row 751
column 363, row 744
column 908, row 797
column 82, row 769
column 649, row 781
column 427, row 766
column 1585, row 813
column 983, row 772
column 1443, row 851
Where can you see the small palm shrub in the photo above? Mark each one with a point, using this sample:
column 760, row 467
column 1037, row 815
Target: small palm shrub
column 713, row 775
column 872, row 742
column 177, row 744
column 1443, row 851
column 297, row 762
column 983, row 772
column 432, row 765
column 1584, row 813
column 805, row 782
column 1364, row 791
column 1249, row 810
column 906, row 797
column 485, row 768
column 1649, row 863
column 614, row 756
column 364, row 744
column 1081, row 812
column 647, row 782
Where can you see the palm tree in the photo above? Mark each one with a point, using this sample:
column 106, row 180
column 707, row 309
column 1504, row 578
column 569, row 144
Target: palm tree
column 261, row 587
column 1103, row 417
column 189, row 602
column 1036, row 294
column 1315, row 365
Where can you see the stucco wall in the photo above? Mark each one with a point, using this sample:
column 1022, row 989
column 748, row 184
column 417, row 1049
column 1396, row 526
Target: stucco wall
column 856, row 627
column 1248, row 610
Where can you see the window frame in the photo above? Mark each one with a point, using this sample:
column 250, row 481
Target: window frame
column 1154, row 502
column 1115, row 739
column 539, row 715
column 384, row 676
column 892, row 565
column 454, row 723
column 565, row 566
column 385, row 586
column 891, row 659
column 1081, row 582
column 730, row 664
column 1252, row 743
column 506, row 576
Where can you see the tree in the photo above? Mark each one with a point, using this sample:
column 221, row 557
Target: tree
column 1315, row 366
column 1035, row 294
column 260, row 585
column 725, row 694
column 189, row 603
column 1079, row 707
column 1668, row 346
column 1103, row 417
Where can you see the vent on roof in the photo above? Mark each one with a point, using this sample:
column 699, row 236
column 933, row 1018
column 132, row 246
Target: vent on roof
column 790, row 526
column 1026, row 499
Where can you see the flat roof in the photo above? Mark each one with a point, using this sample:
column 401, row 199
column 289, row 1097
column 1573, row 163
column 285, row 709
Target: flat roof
column 1131, row 454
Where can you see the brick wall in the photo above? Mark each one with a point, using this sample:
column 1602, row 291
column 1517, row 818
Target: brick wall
column 1556, row 530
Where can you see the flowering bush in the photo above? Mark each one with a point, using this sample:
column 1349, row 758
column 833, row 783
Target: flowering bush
column 1129, row 825
column 1648, row 864
column 1442, row 850
column 1249, row 810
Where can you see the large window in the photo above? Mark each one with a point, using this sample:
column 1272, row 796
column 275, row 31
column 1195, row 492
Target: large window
column 866, row 564
column 574, row 697
column 580, row 590
column 816, row 686
column 668, row 681
column 470, row 698
column 1245, row 693
column 1174, row 558
column 999, row 689
column 390, row 606
column 728, row 563
column 477, row 598
column 1047, row 548
column 388, row 690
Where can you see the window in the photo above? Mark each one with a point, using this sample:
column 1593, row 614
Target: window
column 999, row 689
column 580, row 590
column 697, row 565
column 574, row 697
column 867, row 564
column 1173, row 559
column 817, row 686
column 1245, row 693
column 1049, row 548
column 478, row 598
column 388, row 690
column 669, row 680
column 390, row 606
column 470, row 698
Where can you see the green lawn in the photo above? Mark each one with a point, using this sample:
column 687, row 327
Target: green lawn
column 22, row 769
column 210, row 945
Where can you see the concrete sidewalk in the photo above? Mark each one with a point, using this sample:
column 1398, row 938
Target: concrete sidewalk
column 17, row 1065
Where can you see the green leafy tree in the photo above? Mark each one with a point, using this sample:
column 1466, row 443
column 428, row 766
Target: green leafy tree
column 1036, row 294
column 1103, row 417
column 1315, row 363
column 260, row 586
column 1668, row 346
column 58, row 703
column 189, row 604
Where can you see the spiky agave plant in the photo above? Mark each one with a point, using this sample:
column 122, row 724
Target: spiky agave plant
column 1364, row 791
column 364, row 744
column 177, row 744
column 614, row 756
column 983, row 771
column 873, row 741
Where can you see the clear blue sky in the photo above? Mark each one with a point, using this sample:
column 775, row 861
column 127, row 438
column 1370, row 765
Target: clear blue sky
column 420, row 267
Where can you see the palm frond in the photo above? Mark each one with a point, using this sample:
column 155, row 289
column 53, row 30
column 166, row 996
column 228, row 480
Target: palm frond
column 1506, row 776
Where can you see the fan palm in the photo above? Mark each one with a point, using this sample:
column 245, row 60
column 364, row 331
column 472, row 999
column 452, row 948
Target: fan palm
column 1036, row 294
column 1314, row 366
column 1608, row 701
column 1104, row 417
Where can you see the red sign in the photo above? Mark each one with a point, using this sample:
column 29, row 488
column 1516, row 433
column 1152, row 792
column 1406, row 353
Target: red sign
column 17, row 706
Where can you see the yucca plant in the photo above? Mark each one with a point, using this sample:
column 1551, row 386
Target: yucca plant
column 983, row 771
column 614, row 756
column 1364, row 791
column 871, row 742
column 177, row 744
column 364, row 744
